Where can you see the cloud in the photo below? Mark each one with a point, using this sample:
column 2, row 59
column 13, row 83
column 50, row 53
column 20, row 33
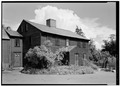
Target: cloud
column 67, row 19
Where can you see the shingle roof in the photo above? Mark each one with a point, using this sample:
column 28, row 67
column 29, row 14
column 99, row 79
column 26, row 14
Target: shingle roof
column 57, row 31
column 13, row 33
column 4, row 34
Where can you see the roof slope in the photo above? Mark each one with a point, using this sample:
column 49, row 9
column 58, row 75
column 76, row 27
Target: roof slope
column 13, row 33
column 4, row 34
column 56, row 31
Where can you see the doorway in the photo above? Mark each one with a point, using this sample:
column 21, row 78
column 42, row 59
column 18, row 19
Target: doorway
column 17, row 59
column 76, row 59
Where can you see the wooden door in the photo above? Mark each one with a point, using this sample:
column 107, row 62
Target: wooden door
column 76, row 59
column 17, row 59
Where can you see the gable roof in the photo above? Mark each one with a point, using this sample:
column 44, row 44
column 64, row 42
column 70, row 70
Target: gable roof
column 4, row 34
column 13, row 33
column 56, row 31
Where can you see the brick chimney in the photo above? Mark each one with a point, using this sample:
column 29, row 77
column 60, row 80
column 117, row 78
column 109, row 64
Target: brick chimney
column 51, row 22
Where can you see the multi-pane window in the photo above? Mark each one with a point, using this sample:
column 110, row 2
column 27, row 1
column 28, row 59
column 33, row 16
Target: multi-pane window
column 57, row 41
column 67, row 42
column 84, row 45
column 79, row 44
column 48, row 38
column 17, row 42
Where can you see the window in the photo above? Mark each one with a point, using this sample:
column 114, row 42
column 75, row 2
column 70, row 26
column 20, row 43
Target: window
column 84, row 56
column 48, row 38
column 57, row 42
column 17, row 42
column 79, row 44
column 67, row 42
column 84, row 45
column 26, row 27
column 21, row 28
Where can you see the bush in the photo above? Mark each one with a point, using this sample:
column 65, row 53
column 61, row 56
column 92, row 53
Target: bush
column 39, row 57
column 42, row 56
column 90, row 64
column 61, row 70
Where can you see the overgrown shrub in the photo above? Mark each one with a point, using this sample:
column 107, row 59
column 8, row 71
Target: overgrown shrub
column 90, row 64
column 42, row 56
column 61, row 70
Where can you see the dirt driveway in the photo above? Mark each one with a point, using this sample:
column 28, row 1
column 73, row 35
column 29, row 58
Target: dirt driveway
column 15, row 77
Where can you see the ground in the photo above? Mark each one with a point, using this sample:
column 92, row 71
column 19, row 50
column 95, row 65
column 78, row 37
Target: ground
column 99, row 77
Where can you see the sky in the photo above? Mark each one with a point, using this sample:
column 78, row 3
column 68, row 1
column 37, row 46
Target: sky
column 97, row 20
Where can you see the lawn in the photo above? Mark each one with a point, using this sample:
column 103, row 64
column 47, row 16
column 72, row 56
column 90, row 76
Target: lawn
column 99, row 77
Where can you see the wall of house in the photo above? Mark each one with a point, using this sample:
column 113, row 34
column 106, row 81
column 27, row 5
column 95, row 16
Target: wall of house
column 81, row 51
column 52, row 38
column 5, row 54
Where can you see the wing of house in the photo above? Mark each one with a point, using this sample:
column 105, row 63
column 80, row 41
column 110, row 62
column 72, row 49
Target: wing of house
column 11, row 49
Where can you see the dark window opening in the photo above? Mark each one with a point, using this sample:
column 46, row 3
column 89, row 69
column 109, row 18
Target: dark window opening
column 48, row 38
column 79, row 44
column 65, row 60
column 26, row 27
column 57, row 42
column 17, row 42
column 84, row 45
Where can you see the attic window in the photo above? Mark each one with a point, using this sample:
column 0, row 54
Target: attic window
column 17, row 42
column 21, row 29
column 26, row 27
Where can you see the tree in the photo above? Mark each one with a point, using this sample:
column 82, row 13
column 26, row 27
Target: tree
column 79, row 32
column 110, row 45
column 94, row 54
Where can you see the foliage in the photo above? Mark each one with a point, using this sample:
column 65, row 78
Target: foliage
column 40, row 56
column 80, row 32
column 90, row 64
column 61, row 70
column 60, row 55
column 110, row 45
column 94, row 54
column 43, row 57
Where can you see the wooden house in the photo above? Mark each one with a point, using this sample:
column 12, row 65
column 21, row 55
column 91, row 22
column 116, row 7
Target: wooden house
column 11, row 49
column 35, row 34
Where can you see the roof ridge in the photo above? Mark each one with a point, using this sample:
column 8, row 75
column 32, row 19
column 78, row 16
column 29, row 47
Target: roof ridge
column 48, row 26
column 69, row 33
